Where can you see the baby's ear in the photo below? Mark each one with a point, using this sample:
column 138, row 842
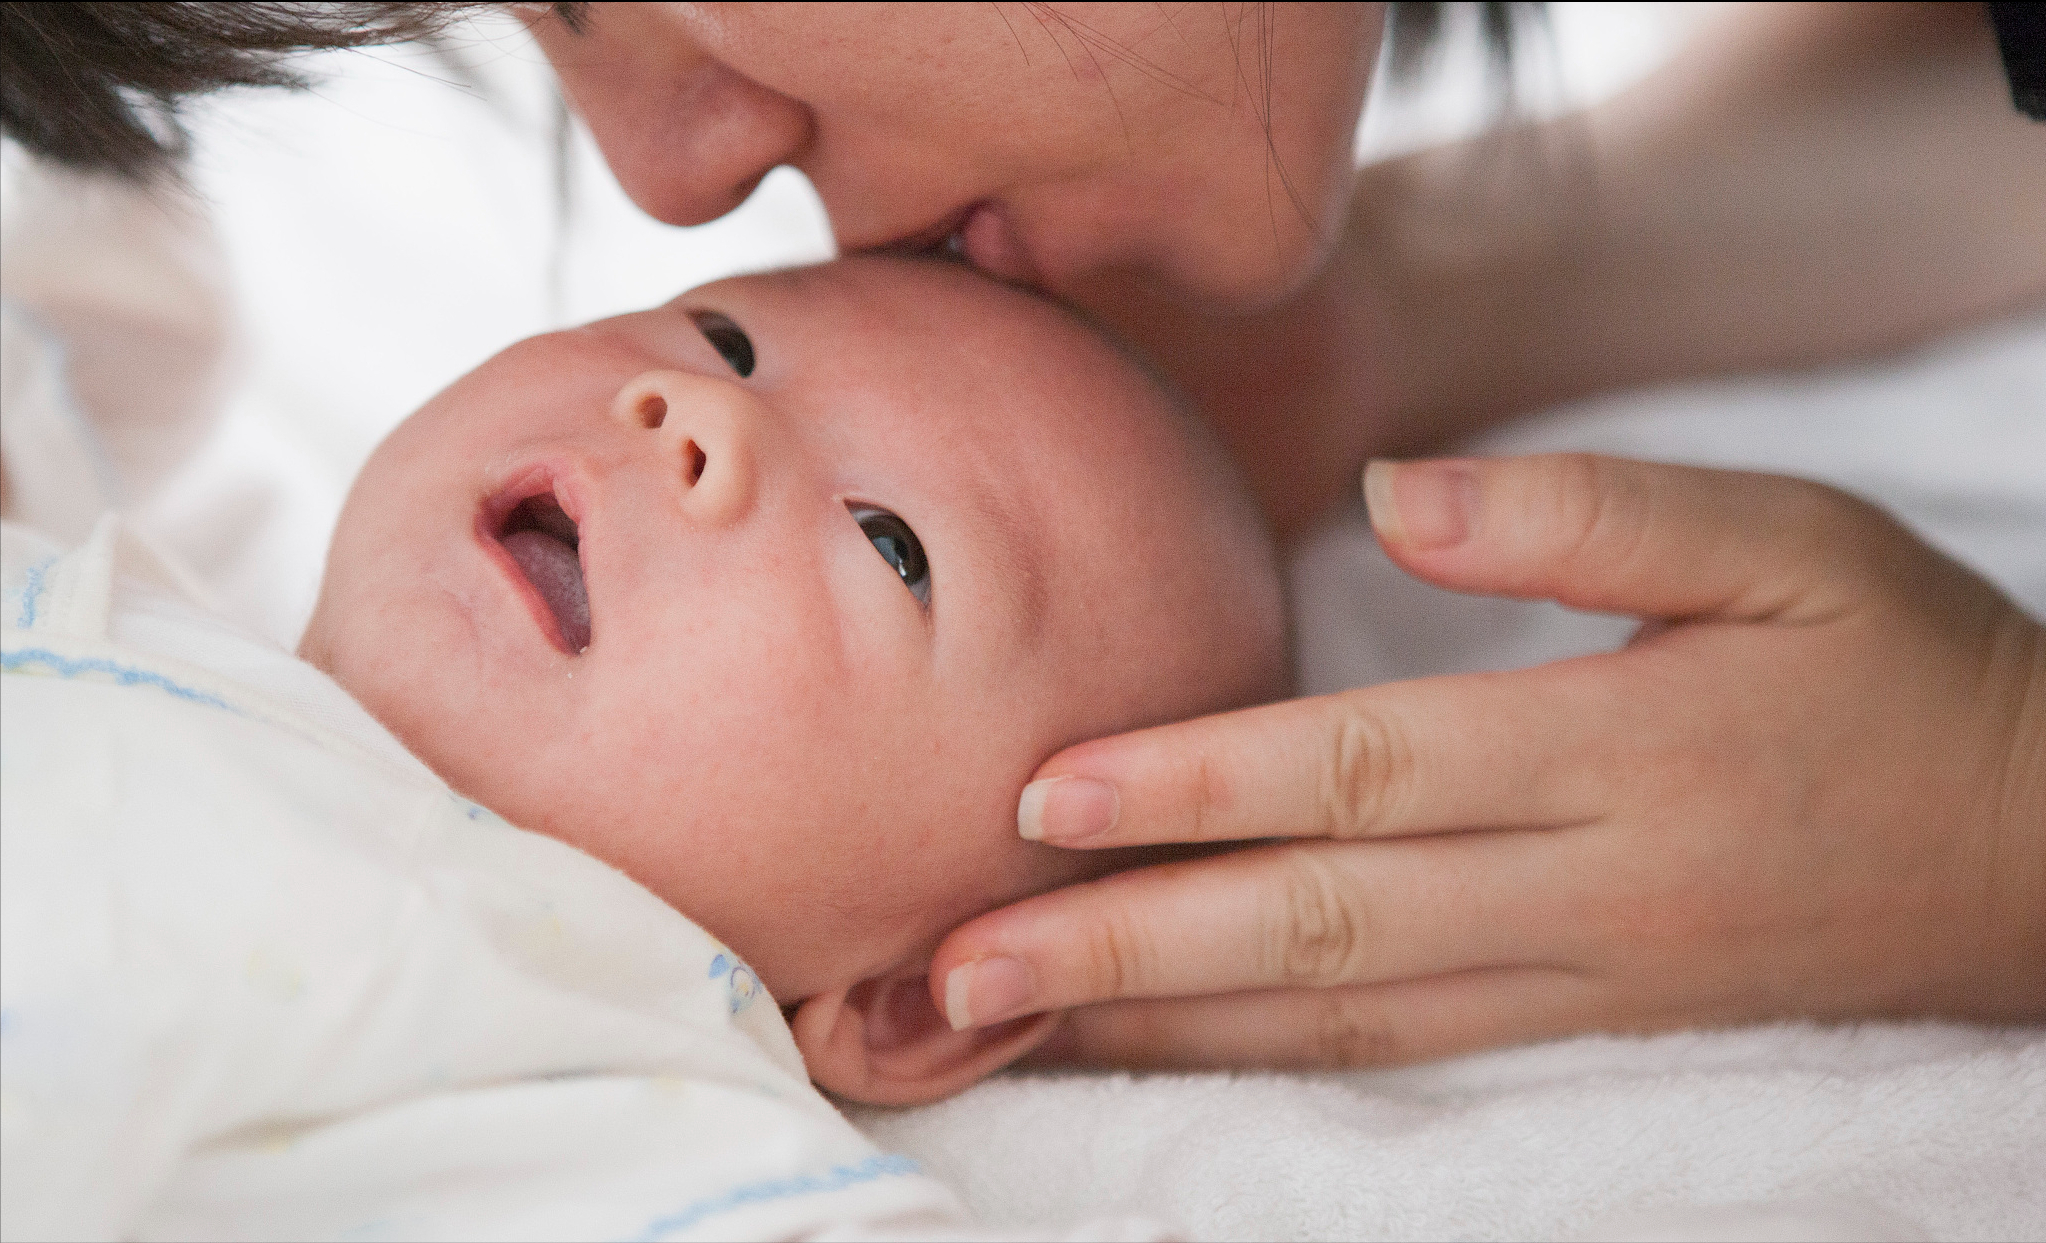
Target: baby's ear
column 883, row 1042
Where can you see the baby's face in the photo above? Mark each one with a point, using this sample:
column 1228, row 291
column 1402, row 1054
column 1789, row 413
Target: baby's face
column 837, row 608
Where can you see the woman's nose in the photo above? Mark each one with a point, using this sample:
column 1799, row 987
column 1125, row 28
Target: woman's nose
column 705, row 431
column 687, row 136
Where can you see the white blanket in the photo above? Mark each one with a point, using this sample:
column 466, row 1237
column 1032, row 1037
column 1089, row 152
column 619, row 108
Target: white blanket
column 1924, row 1131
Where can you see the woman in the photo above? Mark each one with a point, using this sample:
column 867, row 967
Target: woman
column 1814, row 784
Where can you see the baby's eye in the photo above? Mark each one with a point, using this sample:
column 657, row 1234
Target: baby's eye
column 898, row 546
column 727, row 338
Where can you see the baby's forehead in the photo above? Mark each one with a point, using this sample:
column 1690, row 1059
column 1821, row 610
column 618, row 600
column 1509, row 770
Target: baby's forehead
column 971, row 372
column 930, row 349
column 928, row 305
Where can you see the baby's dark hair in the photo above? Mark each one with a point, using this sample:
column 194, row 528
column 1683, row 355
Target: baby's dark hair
column 100, row 86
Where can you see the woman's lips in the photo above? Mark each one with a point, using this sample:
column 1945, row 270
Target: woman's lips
column 983, row 234
column 989, row 241
column 928, row 239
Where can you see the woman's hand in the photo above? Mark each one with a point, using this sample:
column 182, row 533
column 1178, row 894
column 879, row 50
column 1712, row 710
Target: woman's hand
column 1814, row 784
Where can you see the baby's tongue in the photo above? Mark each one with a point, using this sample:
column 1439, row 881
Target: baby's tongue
column 554, row 569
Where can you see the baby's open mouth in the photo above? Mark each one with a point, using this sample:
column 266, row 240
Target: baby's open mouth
column 542, row 541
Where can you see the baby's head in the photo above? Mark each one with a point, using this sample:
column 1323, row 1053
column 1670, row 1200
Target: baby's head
column 773, row 598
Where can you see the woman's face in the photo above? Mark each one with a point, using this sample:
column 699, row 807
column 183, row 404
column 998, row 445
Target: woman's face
column 1205, row 145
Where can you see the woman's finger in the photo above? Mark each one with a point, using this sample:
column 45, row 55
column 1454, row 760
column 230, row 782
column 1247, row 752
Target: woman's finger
column 1360, row 1025
column 1500, row 751
column 1509, row 750
column 1315, row 914
column 1637, row 538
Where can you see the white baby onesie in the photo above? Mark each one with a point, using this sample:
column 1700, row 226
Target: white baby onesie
column 262, row 976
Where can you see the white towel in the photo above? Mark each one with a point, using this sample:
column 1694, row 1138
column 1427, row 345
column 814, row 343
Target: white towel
column 1883, row 1131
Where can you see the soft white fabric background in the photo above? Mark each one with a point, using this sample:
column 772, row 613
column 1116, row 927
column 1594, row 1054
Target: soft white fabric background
column 399, row 224
column 1882, row 1132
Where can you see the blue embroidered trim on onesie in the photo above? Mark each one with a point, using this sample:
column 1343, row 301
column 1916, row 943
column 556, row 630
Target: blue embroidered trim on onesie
column 742, row 987
column 837, row 1178
column 125, row 675
column 31, row 593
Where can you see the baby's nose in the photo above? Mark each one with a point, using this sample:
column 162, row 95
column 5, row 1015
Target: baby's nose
column 704, row 429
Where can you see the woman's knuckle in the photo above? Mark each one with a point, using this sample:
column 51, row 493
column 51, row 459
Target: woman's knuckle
column 1582, row 509
column 1350, row 1032
column 1841, row 538
column 1573, row 493
column 1319, row 935
column 1610, row 518
column 1120, row 957
column 1207, row 798
column 1574, row 476
column 1366, row 763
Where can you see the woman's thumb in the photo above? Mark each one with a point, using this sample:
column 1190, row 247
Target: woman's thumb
column 1617, row 536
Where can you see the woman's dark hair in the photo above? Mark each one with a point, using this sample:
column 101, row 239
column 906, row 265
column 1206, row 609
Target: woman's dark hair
column 99, row 86
column 1412, row 30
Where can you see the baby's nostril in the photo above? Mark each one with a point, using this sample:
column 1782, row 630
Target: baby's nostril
column 696, row 461
column 653, row 411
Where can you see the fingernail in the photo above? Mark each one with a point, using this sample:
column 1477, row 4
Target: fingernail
column 1066, row 809
column 1422, row 505
column 984, row 992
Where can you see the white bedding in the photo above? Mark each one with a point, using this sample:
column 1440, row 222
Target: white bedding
column 1897, row 1132
column 386, row 232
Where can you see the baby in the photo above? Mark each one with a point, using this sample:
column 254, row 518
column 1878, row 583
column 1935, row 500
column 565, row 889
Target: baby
column 772, row 599
column 774, row 596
